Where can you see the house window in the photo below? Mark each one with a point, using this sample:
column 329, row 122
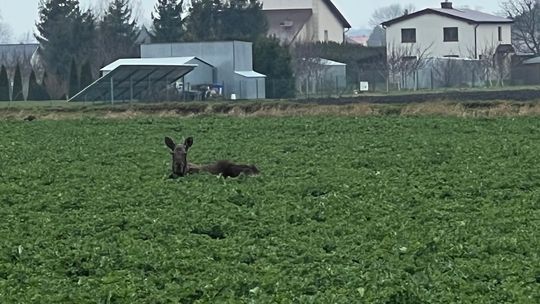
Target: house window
column 450, row 34
column 408, row 35
column 500, row 33
column 325, row 35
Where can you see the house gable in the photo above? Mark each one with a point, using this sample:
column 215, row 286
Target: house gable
column 287, row 24
column 306, row 20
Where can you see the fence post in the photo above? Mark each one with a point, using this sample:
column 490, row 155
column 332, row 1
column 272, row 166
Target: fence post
column 130, row 89
column 431, row 77
column 112, row 90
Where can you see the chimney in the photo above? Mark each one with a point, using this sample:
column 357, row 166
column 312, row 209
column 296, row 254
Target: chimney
column 446, row 4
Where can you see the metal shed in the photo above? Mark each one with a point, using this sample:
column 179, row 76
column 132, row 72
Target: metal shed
column 136, row 79
column 250, row 84
column 228, row 58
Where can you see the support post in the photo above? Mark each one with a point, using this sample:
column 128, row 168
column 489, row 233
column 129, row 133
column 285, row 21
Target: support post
column 112, row 90
column 131, row 89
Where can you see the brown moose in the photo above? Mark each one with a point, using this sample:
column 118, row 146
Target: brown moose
column 181, row 167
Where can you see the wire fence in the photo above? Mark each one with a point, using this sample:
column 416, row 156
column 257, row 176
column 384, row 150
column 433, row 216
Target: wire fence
column 442, row 76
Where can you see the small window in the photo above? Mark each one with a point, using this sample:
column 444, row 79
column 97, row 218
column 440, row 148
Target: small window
column 408, row 35
column 450, row 34
column 326, row 35
column 500, row 33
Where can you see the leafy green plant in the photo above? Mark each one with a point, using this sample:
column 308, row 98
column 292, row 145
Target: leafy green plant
column 370, row 210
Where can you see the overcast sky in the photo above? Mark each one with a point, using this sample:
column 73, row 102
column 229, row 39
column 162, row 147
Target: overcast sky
column 21, row 15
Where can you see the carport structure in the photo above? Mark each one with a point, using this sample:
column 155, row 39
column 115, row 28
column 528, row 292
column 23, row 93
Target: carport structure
column 135, row 79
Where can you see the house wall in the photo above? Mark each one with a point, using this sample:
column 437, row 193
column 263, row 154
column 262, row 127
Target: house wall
column 429, row 34
column 488, row 36
column 327, row 21
column 322, row 19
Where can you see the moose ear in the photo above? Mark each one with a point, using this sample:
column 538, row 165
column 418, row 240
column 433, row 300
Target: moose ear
column 170, row 142
column 188, row 142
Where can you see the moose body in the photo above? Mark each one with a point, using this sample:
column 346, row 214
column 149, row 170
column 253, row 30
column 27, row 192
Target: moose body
column 181, row 166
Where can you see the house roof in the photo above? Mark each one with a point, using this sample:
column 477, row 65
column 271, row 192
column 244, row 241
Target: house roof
column 337, row 13
column 467, row 15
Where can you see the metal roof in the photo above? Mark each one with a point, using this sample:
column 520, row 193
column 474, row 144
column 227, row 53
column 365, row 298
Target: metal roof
column 328, row 62
column 249, row 74
column 130, row 79
column 467, row 15
column 166, row 61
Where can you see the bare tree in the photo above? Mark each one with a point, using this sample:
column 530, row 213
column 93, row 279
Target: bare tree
column 526, row 28
column 307, row 67
column 390, row 12
column 27, row 38
column 5, row 31
column 494, row 63
column 502, row 63
column 404, row 62
column 450, row 72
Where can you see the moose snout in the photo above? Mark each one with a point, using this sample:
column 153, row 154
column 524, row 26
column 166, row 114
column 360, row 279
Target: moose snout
column 180, row 169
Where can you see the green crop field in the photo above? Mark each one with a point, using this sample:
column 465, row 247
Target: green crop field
column 346, row 210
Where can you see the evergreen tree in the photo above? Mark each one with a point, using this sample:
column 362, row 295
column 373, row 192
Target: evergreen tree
column 86, row 75
column 168, row 24
column 274, row 60
column 226, row 20
column 203, row 24
column 4, row 84
column 73, row 79
column 64, row 33
column 118, row 32
column 35, row 90
column 243, row 20
column 17, row 94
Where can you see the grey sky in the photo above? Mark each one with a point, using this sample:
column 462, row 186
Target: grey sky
column 21, row 15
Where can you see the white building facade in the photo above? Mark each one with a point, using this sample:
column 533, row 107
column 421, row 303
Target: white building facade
column 448, row 47
column 449, row 32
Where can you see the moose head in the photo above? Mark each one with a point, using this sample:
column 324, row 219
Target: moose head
column 179, row 155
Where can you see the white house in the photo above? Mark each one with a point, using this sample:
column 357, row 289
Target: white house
column 295, row 21
column 449, row 32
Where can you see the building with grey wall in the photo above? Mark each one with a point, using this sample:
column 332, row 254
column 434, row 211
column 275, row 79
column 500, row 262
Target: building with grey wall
column 232, row 62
